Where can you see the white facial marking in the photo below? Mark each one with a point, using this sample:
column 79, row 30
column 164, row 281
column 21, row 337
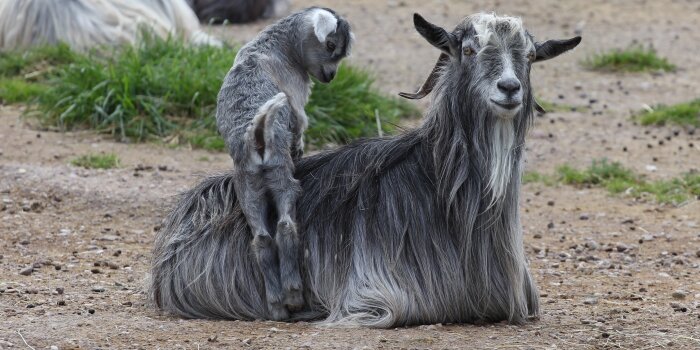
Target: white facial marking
column 499, row 98
column 324, row 23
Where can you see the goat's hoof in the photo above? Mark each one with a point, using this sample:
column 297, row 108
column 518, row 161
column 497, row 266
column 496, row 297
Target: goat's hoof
column 294, row 300
column 278, row 312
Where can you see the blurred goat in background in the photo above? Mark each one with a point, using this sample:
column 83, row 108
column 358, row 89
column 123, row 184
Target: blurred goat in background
column 83, row 24
column 238, row 11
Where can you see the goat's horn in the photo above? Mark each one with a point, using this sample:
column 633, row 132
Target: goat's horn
column 430, row 82
column 539, row 108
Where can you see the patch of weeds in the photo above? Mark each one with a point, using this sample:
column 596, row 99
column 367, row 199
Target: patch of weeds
column 631, row 59
column 204, row 159
column 34, row 64
column 165, row 89
column 535, row 177
column 346, row 108
column 133, row 93
column 16, row 90
column 617, row 179
column 681, row 114
column 97, row 161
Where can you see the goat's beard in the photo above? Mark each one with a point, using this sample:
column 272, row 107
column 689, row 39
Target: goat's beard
column 501, row 158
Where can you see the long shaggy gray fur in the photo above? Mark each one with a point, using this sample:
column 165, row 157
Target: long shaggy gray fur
column 260, row 114
column 396, row 231
column 85, row 24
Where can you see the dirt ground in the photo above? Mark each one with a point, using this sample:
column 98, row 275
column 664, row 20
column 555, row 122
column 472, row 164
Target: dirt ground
column 613, row 272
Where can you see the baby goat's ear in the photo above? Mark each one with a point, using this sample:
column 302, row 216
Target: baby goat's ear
column 436, row 36
column 324, row 23
column 553, row 48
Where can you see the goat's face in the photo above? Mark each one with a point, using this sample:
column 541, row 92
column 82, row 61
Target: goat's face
column 491, row 55
column 495, row 53
column 328, row 42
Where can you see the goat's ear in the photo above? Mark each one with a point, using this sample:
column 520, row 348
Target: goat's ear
column 436, row 36
column 324, row 24
column 553, row 48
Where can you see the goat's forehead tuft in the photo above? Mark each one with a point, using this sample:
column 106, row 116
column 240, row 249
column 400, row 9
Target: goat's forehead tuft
column 489, row 26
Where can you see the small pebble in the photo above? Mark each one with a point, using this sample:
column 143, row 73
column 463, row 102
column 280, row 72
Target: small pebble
column 27, row 271
column 584, row 217
column 592, row 245
column 679, row 294
column 590, row 301
column 98, row 289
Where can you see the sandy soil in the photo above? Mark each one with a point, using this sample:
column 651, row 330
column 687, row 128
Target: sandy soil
column 613, row 272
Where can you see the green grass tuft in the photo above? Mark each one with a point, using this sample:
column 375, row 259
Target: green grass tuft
column 617, row 179
column 140, row 92
column 535, row 177
column 97, row 161
column 36, row 63
column 680, row 114
column 632, row 59
column 165, row 89
column 16, row 90
column 345, row 109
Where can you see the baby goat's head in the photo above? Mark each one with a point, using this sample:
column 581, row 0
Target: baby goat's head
column 327, row 43
column 492, row 54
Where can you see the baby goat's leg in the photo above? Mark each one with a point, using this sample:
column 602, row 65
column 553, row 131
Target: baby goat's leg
column 274, row 138
column 255, row 208
column 252, row 186
column 285, row 190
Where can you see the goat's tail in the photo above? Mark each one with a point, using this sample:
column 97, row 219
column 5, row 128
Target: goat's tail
column 261, row 132
column 201, row 265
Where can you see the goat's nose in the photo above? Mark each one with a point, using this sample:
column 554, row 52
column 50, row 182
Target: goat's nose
column 508, row 86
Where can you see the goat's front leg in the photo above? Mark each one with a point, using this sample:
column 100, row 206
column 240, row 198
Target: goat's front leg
column 255, row 208
column 285, row 191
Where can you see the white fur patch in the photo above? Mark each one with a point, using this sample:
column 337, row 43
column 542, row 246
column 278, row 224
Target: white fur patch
column 484, row 24
column 324, row 23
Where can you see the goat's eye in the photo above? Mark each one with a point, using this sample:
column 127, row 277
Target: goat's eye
column 330, row 46
column 468, row 51
column 531, row 56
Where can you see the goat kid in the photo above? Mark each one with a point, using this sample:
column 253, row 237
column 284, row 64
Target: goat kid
column 423, row 227
column 260, row 114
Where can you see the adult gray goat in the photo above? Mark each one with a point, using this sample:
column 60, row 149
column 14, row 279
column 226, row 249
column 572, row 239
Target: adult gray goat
column 419, row 228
